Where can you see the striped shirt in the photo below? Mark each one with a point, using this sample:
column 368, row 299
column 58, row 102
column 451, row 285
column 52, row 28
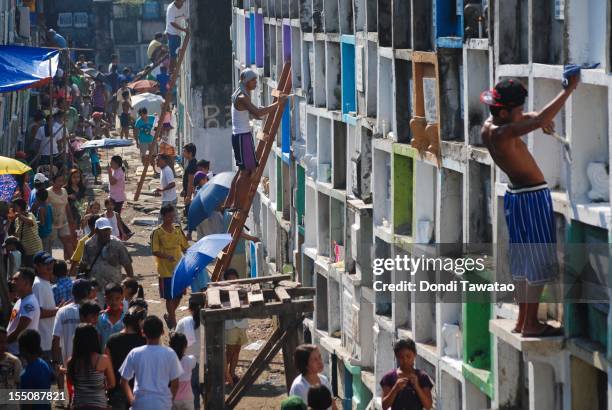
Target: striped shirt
column 28, row 234
column 90, row 388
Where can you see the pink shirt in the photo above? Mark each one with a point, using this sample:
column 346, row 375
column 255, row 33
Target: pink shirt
column 117, row 191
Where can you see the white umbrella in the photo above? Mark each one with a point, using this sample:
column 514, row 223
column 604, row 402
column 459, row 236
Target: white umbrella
column 152, row 102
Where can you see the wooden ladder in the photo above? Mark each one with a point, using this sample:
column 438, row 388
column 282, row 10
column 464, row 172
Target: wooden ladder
column 266, row 137
column 165, row 108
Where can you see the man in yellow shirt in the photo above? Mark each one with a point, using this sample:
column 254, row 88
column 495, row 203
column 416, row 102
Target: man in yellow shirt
column 168, row 243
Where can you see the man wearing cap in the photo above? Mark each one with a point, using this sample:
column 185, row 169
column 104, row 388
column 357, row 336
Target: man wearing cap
column 66, row 321
column 104, row 256
column 43, row 265
column 527, row 203
column 242, row 139
column 40, row 182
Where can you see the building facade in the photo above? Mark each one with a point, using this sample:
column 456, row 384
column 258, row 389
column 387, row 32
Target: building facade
column 18, row 26
column 380, row 150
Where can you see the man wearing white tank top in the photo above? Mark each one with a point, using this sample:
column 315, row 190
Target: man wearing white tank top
column 242, row 138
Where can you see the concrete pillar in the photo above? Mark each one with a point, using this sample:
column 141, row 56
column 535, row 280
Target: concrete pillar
column 385, row 361
column 541, row 386
column 506, row 366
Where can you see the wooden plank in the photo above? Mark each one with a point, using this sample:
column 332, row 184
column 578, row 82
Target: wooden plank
column 255, row 298
column 289, row 284
column 260, row 311
column 261, row 279
column 213, row 295
column 282, row 294
column 215, row 365
column 290, row 343
column 234, row 299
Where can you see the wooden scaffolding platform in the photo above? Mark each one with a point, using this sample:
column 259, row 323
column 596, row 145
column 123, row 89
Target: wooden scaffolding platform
column 257, row 298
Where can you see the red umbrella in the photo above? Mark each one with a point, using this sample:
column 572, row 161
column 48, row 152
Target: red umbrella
column 144, row 86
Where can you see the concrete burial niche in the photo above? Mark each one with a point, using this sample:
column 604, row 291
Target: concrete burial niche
column 333, row 76
column 305, row 10
column 450, row 65
column 450, row 396
column 475, row 80
column 547, row 151
column 382, row 190
column 512, row 40
column 450, row 207
column 402, row 25
column 385, row 21
column 479, row 206
column 424, row 203
column 306, row 55
column 280, row 51
column 310, row 240
column 349, row 93
column 318, row 68
column 548, row 35
column 371, row 80
column 269, row 31
column 317, row 16
column 403, row 99
column 339, row 160
column 321, row 308
column 296, row 57
column 324, row 150
column 588, row 31
column 589, row 385
column 448, row 23
column 323, row 220
column 330, row 16
column 403, row 190
column 259, row 39
column 359, row 13
column 383, row 299
column 385, row 95
column 345, row 16
column 589, row 135
column 421, row 25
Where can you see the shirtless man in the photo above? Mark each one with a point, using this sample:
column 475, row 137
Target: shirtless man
column 527, row 203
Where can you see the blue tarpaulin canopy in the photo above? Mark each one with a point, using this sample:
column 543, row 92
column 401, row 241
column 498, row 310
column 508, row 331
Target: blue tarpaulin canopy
column 26, row 67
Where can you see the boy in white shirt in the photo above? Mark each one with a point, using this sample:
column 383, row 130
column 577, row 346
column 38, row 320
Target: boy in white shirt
column 42, row 289
column 167, row 185
column 153, row 367
column 26, row 312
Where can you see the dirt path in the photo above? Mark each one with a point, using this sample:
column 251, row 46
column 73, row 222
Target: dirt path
column 270, row 388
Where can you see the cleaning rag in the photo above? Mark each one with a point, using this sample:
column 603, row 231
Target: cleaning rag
column 572, row 70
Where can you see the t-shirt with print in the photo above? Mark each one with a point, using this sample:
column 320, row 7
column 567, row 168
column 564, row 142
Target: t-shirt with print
column 153, row 367
column 300, row 387
column 166, row 177
column 169, row 243
column 177, row 16
column 407, row 398
column 67, row 319
column 38, row 376
column 44, row 294
column 25, row 307
column 144, row 129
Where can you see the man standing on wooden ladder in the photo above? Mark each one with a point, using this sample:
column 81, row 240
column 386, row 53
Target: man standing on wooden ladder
column 242, row 138
column 176, row 14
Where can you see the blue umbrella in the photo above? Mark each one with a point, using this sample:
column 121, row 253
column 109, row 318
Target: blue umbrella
column 209, row 198
column 197, row 257
column 107, row 143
